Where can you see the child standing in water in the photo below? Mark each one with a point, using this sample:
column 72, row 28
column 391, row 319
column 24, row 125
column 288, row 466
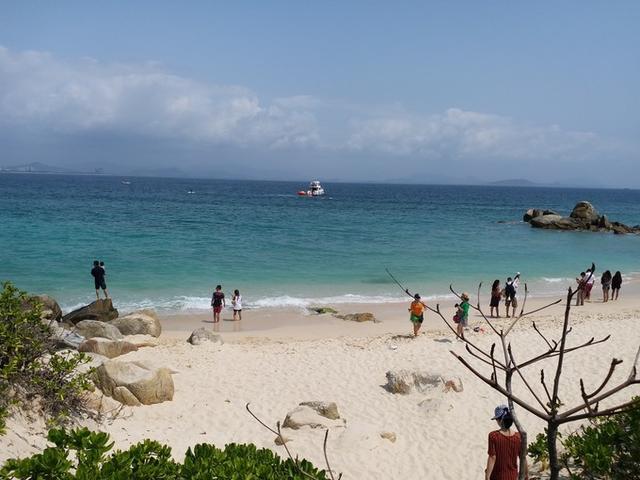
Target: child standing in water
column 417, row 313
column 236, row 301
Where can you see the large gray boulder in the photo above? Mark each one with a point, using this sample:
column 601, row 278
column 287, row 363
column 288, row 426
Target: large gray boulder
column 583, row 217
column 143, row 322
column 555, row 222
column 106, row 347
column 202, row 335
column 406, row 381
column 51, row 311
column 101, row 310
column 95, row 328
column 536, row 212
column 65, row 338
column 585, row 212
column 305, row 416
column 134, row 383
column 326, row 409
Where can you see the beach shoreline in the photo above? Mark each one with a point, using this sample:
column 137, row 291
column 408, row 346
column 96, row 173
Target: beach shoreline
column 390, row 317
column 276, row 359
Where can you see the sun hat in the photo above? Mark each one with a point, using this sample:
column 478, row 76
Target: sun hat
column 499, row 412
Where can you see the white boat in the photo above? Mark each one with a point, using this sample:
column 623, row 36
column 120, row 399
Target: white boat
column 125, row 182
column 314, row 190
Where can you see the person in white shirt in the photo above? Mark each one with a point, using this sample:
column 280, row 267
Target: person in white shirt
column 591, row 278
column 236, row 301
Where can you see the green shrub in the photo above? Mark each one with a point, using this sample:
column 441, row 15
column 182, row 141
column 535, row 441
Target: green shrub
column 83, row 455
column 608, row 447
column 30, row 367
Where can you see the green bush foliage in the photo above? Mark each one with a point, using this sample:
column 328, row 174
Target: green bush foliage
column 31, row 371
column 607, row 448
column 84, row 455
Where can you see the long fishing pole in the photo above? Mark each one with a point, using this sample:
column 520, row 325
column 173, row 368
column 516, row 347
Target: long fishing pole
column 405, row 290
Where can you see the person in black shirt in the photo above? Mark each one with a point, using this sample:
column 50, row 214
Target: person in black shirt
column 98, row 274
column 217, row 302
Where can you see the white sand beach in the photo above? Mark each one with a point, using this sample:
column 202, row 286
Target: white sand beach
column 438, row 434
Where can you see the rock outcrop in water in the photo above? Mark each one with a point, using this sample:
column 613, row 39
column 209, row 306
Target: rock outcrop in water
column 583, row 217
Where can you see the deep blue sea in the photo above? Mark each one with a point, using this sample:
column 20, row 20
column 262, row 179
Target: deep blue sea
column 166, row 248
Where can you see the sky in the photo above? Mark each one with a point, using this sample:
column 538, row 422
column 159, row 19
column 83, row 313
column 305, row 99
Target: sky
column 427, row 92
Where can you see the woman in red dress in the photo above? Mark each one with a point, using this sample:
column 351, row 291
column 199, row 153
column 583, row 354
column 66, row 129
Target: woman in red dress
column 504, row 448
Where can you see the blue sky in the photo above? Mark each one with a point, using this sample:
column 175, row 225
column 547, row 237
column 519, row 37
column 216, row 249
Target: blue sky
column 441, row 91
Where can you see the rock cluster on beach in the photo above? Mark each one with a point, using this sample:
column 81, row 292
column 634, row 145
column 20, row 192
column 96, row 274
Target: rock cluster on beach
column 98, row 330
column 583, row 217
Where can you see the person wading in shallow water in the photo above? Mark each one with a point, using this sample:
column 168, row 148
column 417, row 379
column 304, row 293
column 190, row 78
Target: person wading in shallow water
column 417, row 313
column 217, row 302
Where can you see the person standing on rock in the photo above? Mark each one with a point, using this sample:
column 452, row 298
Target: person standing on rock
column 416, row 310
column 217, row 302
column 98, row 274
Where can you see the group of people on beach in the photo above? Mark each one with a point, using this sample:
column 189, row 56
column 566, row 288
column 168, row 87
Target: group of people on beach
column 611, row 285
column 218, row 303
column 509, row 293
column 461, row 317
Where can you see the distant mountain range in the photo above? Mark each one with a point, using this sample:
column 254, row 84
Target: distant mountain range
column 37, row 167
column 515, row 182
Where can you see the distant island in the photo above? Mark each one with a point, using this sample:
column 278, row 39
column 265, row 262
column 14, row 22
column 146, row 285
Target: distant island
column 516, row 182
column 41, row 168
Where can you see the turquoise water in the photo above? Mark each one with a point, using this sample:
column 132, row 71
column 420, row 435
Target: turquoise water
column 166, row 248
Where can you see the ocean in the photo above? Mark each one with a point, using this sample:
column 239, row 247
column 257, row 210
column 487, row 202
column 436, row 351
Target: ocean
column 167, row 249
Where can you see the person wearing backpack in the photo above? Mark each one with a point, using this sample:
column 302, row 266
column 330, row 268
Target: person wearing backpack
column 510, row 297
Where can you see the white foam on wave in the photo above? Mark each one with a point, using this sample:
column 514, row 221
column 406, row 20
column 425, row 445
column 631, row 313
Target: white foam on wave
column 183, row 304
column 555, row 279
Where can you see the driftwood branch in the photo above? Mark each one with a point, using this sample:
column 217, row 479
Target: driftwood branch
column 284, row 444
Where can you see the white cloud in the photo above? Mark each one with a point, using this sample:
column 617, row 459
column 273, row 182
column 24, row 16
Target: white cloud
column 463, row 134
column 36, row 89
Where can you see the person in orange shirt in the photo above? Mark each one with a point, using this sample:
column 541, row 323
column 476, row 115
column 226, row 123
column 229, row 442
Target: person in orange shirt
column 417, row 313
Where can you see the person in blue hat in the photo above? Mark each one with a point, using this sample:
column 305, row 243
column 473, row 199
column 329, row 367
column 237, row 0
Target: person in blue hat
column 504, row 448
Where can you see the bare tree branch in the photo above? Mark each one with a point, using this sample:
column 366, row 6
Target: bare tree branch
column 524, row 300
column 524, row 380
column 544, row 384
column 535, row 327
column 501, row 389
column 477, row 308
column 284, row 444
column 623, row 408
column 614, row 362
column 464, row 339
